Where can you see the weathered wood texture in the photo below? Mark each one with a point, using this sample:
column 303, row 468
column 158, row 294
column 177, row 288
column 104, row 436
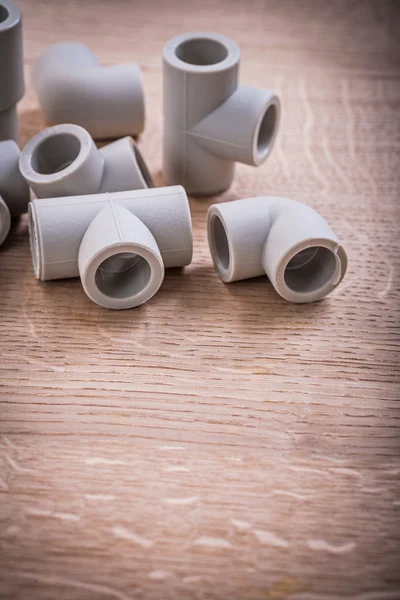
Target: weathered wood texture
column 218, row 443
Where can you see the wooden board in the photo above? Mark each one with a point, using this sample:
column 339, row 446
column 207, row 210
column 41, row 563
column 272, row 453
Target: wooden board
column 218, row 443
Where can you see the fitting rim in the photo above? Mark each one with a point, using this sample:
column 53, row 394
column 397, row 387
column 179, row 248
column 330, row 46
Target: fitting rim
column 5, row 220
column 35, row 177
column 90, row 286
column 225, row 272
column 14, row 15
column 260, row 156
column 231, row 47
column 319, row 292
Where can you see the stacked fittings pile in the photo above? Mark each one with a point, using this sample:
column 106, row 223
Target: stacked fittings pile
column 97, row 214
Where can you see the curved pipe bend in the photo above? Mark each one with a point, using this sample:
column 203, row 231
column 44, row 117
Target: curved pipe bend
column 73, row 87
column 285, row 239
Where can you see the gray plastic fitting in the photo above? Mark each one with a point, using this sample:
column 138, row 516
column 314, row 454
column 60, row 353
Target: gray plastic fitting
column 73, row 87
column 63, row 160
column 285, row 239
column 11, row 68
column 209, row 121
column 14, row 191
column 118, row 243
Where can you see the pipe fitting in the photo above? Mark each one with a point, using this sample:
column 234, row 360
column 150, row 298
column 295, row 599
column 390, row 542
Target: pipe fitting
column 285, row 239
column 14, row 191
column 5, row 220
column 119, row 262
column 63, row 160
column 208, row 119
column 73, row 87
column 11, row 68
column 116, row 256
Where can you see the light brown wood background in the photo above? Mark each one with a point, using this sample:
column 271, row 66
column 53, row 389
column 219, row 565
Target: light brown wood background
column 218, row 442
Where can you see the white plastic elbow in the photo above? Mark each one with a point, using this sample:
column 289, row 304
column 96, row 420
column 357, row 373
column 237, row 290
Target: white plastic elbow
column 63, row 161
column 209, row 121
column 287, row 240
column 118, row 243
column 14, row 191
column 11, row 68
column 73, row 87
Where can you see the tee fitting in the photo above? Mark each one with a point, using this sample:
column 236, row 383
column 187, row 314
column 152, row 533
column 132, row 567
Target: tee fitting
column 285, row 239
column 11, row 68
column 14, row 191
column 73, row 87
column 118, row 243
column 63, row 161
column 210, row 122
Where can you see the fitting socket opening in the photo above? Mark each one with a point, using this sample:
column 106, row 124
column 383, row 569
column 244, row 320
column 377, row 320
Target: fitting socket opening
column 5, row 220
column 311, row 269
column 4, row 14
column 34, row 241
column 123, row 275
column 201, row 51
column 267, row 130
column 219, row 246
column 55, row 153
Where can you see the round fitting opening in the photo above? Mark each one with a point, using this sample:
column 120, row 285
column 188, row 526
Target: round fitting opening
column 4, row 14
column 267, row 130
column 310, row 270
column 55, row 153
column 143, row 168
column 201, row 52
column 33, row 241
column 219, row 244
column 123, row 275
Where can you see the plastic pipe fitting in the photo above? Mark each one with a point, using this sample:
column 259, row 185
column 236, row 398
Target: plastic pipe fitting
column 73, row 87
column 63, row 161
column 287, row 240
column 119, row 243
column 14, row 191
column 11, row 68
column 209, row 121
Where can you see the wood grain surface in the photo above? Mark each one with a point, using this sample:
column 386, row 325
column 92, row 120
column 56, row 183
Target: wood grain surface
column 218, row 442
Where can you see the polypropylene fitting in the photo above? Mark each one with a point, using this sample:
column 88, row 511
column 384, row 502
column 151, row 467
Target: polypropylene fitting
column 11, row 68
column 63, row 160
column 14, row 191
column 13, row 187
column 73, row 87
column 120, row 264
column 210, row 122
column 58, row 225
column 285, row 239
column 5, row 220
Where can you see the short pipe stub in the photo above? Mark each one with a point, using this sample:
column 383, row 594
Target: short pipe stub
column 201, row 52
column 120, row 264
column 310, row 270
column 62, row 160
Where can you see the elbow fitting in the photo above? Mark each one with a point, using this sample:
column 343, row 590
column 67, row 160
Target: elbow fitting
column 14, row 191
column 11, row 68
column 63, row 161
column 73, row 87
column 208, row 119
column 118, row 243
column 285, row 239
